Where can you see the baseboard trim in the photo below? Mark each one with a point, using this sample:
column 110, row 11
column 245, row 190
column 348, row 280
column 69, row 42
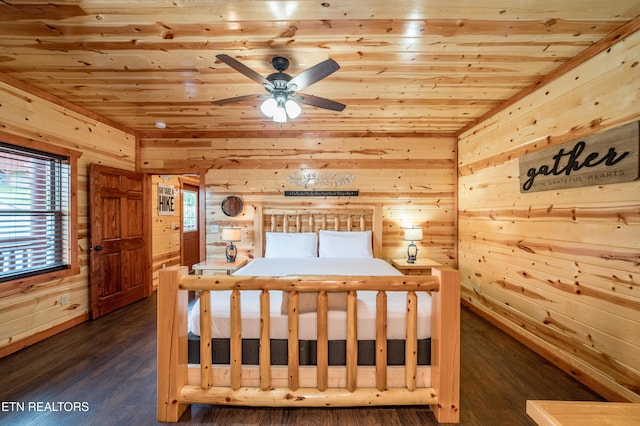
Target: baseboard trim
column 38, row 337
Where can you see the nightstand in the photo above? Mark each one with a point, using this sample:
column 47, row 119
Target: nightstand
column 422, row 266
column 218, row 266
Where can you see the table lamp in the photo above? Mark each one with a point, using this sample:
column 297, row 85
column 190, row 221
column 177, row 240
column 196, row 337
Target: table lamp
column 231, row 235
column 412, row 234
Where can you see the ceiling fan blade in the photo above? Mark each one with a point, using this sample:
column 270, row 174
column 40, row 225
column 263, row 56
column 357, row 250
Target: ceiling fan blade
column 242, row 68
column 236, row 99
column 314, row 74
column 320, row 102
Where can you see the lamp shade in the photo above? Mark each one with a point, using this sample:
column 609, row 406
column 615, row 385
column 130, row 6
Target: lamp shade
column 231, row 234
column 292, row 108
column 268, row 107
column 413, row 234
column 280, row 115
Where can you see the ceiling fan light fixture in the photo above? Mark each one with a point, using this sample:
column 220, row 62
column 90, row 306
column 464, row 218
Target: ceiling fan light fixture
column 269, row 107
column 292, row 108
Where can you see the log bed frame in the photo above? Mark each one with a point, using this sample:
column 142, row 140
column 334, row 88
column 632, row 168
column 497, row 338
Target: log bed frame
column 181, row 384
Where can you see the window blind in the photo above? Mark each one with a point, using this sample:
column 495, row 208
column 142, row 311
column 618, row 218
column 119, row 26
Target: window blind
column 34, row 212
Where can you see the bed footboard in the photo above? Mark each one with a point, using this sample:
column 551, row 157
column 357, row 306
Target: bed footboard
column 308, row 386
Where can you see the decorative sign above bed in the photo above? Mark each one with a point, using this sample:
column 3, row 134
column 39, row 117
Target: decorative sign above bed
column 315, row 180
column 317, row 185
column 602, row 158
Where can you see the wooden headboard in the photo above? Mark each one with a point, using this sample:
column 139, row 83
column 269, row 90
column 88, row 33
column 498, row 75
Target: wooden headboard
column 314, row 217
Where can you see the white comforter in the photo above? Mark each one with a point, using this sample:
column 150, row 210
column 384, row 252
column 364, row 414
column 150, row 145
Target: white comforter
column 250, row 302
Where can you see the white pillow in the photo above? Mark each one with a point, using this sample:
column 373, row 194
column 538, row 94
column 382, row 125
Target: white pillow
column 345, row 244
column 289, row 244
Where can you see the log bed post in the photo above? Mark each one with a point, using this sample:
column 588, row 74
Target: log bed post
column 172, row 332
column 445, row 345
column 258, row 229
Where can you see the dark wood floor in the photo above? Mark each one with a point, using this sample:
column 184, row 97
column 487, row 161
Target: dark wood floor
column 108, row 367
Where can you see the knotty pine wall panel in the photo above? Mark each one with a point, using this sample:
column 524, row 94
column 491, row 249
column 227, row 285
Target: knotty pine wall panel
column 411, row 177
column 165, row 230
column 558, row 269
column 29, row 311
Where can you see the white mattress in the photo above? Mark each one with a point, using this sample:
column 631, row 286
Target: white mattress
column 250, row 302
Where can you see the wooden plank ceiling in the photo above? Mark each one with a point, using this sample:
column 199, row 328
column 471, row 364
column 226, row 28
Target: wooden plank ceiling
column 407, row 66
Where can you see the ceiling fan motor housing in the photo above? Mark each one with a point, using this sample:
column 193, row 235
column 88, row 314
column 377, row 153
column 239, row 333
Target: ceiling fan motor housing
column 279, row 80
column 280, row 63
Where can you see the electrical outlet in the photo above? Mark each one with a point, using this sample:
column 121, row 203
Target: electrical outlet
column 64, row 299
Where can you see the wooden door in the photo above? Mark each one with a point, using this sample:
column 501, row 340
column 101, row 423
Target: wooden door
column 119, row 249
column 190, row 225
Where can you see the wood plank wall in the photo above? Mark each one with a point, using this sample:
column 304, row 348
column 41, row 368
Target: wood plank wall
column 35, row 311
column 166, row 233
column 558, row 269
column 411, row 176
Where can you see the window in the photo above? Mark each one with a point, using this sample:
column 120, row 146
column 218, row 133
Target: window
column 189, row 211
column 37, row 232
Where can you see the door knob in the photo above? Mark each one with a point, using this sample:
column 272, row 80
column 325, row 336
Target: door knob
column 98, row 248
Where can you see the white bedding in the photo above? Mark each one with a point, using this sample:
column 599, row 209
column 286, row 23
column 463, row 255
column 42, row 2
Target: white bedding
column 250, row 302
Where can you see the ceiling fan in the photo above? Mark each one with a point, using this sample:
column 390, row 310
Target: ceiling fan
column 282, row 99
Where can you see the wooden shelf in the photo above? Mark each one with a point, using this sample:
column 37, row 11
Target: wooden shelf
column 422, row 266
column 215, row 266
column 583, row 413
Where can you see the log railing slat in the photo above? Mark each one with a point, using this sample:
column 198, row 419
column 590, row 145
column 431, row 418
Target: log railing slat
column 349, row 223
column 236, row 340
column 206, row 371
column 336, row 223
column 411, row 343
column 310, row 397
column 273, row 223
column 265, row 340
column 323, row 341
column 381, row 341
column 352, row 340
column 293, row 341
column 324, row 222
column 362, row 223
column 311, row 224
column 298, row 224
column 310, row 283
column 285, row 223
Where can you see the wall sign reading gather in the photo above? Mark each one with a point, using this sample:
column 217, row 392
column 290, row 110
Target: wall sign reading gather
column 602, row 158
